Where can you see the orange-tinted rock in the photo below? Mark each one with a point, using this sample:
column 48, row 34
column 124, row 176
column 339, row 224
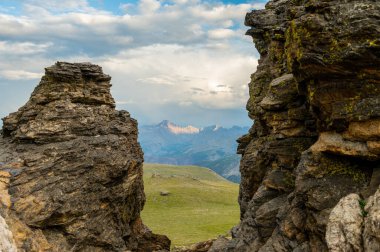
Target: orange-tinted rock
column 332, row 142
column 364, row 131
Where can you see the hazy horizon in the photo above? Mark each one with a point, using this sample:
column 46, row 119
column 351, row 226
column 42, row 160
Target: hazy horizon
column 187, row 61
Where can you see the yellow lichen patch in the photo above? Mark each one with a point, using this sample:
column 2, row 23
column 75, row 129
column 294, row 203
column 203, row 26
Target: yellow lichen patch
column 276, row 52
column 311, row 91
column 373, row 43
column 334, row 167
column 294, row 37
column 333, row 51
column 355, row 174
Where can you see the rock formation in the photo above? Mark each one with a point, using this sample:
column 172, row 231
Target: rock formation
column 71, row 169
column 353, row 226
column 315, row 101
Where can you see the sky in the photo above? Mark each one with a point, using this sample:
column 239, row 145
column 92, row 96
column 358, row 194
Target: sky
column 187, row 61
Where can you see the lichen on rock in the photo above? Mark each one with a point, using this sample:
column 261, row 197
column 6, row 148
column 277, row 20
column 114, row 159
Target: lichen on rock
column 71, row 168
column 315, row 101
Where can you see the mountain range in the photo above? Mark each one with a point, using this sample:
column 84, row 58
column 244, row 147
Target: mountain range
column 213, row 146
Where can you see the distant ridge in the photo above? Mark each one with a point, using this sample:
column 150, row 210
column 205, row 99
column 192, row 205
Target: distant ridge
column 212, row 146
column 176, row 129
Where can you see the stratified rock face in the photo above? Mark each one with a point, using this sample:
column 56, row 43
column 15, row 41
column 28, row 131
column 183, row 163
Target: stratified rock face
column 315, row 99
column 71, row 168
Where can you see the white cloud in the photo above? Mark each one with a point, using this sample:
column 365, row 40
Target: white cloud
column 149, row 6
column 19, row 75
column 159, row 53
column 181, row 23
column 185, row 103
column 125, row 102
column 220, row 12
column 221, row 33
column 19, row 48
column 181, row 2
column 258, row 6
column 59, row 5
column 120, row 40
column 126, row 7
column 182, row 71
column 158, row 80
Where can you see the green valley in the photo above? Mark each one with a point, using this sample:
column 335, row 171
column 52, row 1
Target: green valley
column 188, row 203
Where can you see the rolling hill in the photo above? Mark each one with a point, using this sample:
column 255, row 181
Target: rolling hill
column 199, row 204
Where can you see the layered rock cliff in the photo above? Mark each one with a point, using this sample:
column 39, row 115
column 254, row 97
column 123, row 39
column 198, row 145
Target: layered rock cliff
column 315, row 101
column 71, row 169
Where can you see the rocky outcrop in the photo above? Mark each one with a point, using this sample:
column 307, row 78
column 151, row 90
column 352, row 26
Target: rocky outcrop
column 315, row 101
column 371, row 215
column 354, row 224
column 71, row 168
column 344, row 226
column 7, row 243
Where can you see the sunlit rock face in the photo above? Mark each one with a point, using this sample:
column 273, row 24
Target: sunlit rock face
column 315, row 101
column 71, row 168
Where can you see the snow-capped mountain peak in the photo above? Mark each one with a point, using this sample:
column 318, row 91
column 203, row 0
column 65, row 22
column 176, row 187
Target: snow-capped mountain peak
column 176, row 129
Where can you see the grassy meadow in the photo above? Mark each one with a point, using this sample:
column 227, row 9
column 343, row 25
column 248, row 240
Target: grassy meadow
column 200, row 205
